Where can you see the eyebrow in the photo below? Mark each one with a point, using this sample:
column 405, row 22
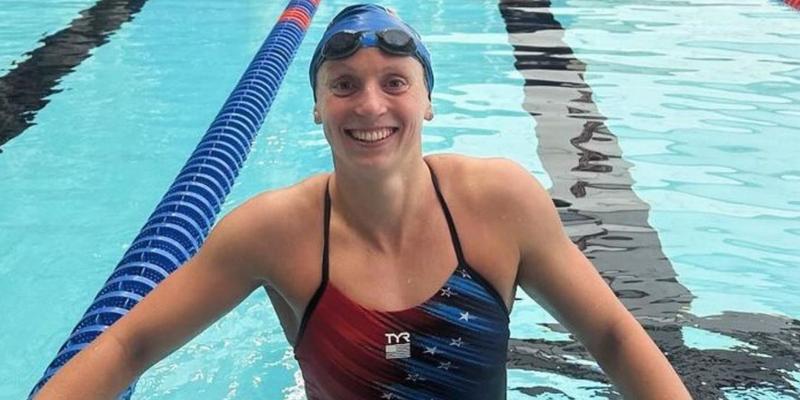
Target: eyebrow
column 336, row 72
column 344, row 64
column 390, row 68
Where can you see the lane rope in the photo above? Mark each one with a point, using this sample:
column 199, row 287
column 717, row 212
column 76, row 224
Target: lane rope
column 184, row 216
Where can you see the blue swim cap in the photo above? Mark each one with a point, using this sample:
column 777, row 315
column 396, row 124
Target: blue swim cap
column 369, row 19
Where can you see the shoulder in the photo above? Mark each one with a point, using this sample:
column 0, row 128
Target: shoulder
column 283, row 206
column 280, row 208
column 490, row 181
column 475, row 167
column 260, row 231
column 502, row 191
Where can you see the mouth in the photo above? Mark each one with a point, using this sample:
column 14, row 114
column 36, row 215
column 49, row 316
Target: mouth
column 372, row 135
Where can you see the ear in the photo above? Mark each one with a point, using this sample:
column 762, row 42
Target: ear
column 429, row 113
column 317, row 118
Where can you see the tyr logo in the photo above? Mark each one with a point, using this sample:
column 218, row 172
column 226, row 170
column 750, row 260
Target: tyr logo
column 398, row 345
column 397, row 338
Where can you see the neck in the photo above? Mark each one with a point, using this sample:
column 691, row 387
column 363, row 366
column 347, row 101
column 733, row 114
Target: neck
column 382, row 208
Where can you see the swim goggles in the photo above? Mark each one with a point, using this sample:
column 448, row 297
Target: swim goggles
column 343, row 44
column 369, row 25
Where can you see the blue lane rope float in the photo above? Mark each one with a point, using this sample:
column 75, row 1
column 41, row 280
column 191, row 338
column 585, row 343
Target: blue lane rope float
column 183, row 218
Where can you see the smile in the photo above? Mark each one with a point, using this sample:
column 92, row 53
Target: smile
column 371, row 135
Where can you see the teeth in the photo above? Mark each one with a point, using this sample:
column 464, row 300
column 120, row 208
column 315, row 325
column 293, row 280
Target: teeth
column 371, row 135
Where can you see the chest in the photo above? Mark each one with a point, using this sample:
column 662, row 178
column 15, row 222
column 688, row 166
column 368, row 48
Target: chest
column 409, row 278
column 401, row 281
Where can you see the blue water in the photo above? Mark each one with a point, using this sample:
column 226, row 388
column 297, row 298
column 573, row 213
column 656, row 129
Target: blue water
column 703, row 95
column 708, row 115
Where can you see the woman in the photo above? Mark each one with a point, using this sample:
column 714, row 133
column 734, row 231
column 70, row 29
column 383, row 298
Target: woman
column 420, row 256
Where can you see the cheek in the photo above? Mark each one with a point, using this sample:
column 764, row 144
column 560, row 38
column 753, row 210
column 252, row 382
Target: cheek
column 421, row 103
column 326, row 111
column 332, row 119
column 420, row 108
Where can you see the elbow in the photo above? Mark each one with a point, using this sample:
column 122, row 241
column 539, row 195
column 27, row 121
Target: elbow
column 635, row 364
column 606, row 341
column 102, row 370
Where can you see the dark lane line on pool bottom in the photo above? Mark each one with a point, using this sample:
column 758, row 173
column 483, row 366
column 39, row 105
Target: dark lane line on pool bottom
column 25, row 88
column 592, row 189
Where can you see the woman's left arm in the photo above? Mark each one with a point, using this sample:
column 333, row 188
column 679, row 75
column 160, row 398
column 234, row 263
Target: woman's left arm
column 554, row 272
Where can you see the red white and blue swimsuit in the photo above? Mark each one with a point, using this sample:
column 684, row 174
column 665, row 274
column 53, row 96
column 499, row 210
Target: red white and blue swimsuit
column 452, row 346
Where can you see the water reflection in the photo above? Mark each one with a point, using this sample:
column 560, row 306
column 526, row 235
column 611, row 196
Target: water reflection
column 593, row 187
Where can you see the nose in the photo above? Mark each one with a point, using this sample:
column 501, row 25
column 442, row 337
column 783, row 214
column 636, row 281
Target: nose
column 371, row 102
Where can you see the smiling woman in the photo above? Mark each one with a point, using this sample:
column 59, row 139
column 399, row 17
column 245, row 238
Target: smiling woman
column 420, row 256
column 379, row 96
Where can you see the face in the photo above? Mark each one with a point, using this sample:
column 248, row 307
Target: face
column 372, row 106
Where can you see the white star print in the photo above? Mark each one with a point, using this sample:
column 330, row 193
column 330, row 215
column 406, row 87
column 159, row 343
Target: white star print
column 465, row 274
column 456, row 342
column 464, row 316
column 447, row 292
column 430, row 350
column 444, row 365
column 413, row 377
column 389, row 396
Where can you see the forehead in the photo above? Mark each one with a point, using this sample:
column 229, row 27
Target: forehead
column 369, row 61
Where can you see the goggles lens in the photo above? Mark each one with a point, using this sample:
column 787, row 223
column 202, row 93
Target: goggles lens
column 342, row 44
column 395, row 41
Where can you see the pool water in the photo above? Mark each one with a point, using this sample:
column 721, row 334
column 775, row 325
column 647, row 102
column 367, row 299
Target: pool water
column 697, row 102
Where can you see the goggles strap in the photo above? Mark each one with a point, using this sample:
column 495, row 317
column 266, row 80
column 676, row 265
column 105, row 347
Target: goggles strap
column 344, row 44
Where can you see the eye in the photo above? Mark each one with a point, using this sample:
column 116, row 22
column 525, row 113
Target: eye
column 396, row 84
column 343, row 86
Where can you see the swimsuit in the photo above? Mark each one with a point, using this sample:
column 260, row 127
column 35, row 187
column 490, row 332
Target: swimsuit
column 452, row 346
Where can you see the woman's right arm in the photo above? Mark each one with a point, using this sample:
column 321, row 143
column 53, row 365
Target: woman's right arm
column 224, row 272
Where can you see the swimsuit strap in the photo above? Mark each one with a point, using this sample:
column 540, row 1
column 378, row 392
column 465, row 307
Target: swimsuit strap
column 450, row 224
column 312, row 304
column 326, row 230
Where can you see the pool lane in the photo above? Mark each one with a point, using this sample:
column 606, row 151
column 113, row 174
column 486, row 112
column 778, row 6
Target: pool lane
column 592, row 188
column 25, row 88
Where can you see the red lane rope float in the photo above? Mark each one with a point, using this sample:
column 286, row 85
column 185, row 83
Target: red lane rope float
column 297, row 15
column 792, row 3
